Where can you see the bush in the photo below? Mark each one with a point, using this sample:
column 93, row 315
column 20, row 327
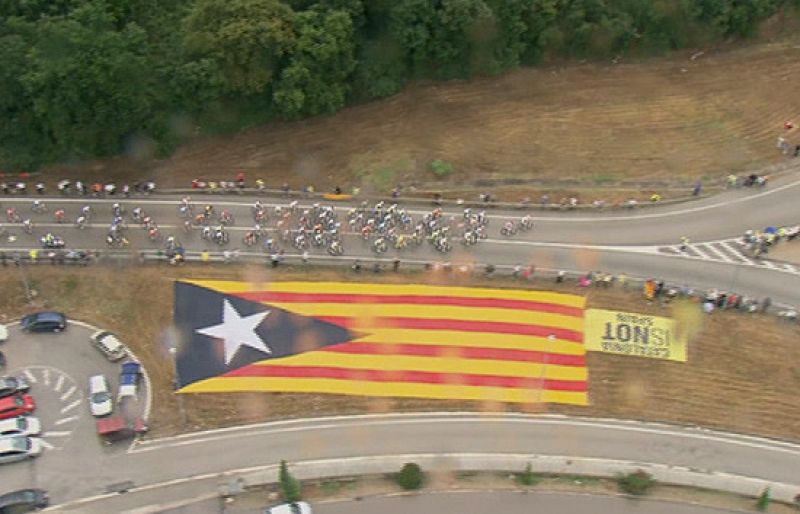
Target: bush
column 410, row 477
column 290, row 487
column 441, row 168
column 528, row 477
column 637, row 483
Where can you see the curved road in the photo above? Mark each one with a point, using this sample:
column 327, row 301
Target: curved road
column 188, row 466
column 479, row 502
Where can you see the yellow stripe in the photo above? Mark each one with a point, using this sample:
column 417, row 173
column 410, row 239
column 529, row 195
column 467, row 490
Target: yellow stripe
column 226, row 286
column 394, row 389
column 364, row 312
column 472, row 339
column 444, row 364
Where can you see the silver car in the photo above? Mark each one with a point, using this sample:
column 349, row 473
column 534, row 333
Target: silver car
column 14, row 448
column 22, row 425
column 12, row 385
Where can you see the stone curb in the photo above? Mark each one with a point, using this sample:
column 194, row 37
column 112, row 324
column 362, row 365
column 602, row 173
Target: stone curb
column 564, row 465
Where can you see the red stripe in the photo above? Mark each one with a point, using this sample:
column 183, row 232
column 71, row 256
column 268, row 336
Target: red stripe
column 502, row 303
column 498, row 327
column 420, row 377
column 464, row 352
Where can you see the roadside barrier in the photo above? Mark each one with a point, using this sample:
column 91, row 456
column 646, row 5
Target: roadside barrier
column 646, row 287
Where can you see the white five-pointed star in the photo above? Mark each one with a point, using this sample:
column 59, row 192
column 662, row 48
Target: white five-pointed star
column 237, row 331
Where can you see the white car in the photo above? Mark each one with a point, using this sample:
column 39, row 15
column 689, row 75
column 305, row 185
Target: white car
column 100, row 400
column 14, row 448
column 3, row 333
column 289, row 508
column 22, row 425
column 109, row 345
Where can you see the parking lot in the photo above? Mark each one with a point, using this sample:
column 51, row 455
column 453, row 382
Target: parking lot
column 75, row 462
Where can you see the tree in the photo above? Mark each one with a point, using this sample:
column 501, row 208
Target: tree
column 762, row 504
column 248, row 39
column 290, row 487
column 88, row 83
column 316, row 79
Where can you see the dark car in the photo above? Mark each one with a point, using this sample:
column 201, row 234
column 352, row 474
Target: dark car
column 2, row 361
column 46, row 321
column 23, row 500
column 12, row 385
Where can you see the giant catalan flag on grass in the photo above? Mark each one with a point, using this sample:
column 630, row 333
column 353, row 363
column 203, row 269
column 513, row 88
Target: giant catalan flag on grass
column 381, row 340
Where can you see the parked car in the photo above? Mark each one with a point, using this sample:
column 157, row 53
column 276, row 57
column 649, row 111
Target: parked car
column 2, row 361
column 23, row 500
column 109, row 345
column 45, row 321
column 23, row 425
column 17, row 405
column 119, row 428
column 100, row 399
column 3, row 333
column 14, row 448
column 12, row 385
column 289, row 508
column 129, row 380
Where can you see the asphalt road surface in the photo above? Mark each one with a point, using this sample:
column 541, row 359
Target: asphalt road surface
column 510, row 503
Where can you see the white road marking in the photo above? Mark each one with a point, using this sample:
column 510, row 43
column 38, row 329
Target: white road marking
column 70, row 406
column 68, row 393
column 29, row 375
column 65, row 420
column 568, row 219
column 719, row 254
column 46, row 375
column 750, row 442
column 46, row 444
column 735, row 252
column 59, row 383
column 789, row 267
column 701, row 251
column 57, row 433
column 768, row 264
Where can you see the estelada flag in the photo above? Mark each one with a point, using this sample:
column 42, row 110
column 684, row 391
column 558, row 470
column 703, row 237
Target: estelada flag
column 395, row 340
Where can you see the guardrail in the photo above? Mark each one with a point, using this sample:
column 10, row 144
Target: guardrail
column 367, row 265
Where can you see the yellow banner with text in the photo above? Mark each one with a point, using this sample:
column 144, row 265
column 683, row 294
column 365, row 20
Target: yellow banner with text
column 639, row 335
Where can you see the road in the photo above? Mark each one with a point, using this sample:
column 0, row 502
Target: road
column 638, row 243
column 511, row 503
column 174, row 461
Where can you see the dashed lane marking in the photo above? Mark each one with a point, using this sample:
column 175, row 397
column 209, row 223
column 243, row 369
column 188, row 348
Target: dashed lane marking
column 46, row 376
column 70, row 406
column 59, row 383
column 57, row 433
column 46, row 444
column 68, row 393
column 29, row 375
column 63, row 421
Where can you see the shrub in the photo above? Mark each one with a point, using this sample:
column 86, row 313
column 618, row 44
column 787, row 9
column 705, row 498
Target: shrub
column 441, row 168
column 528, row 477
column 637, row 483
column 290, row 487
column 410, row 477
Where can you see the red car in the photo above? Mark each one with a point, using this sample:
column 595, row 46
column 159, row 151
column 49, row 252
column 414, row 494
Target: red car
column 17, row 405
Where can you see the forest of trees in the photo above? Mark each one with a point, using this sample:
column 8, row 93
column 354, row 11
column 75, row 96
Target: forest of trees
column 89, row 78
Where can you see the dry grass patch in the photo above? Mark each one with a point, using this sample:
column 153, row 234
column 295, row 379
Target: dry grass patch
column 670, row 118
column 742, row 374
